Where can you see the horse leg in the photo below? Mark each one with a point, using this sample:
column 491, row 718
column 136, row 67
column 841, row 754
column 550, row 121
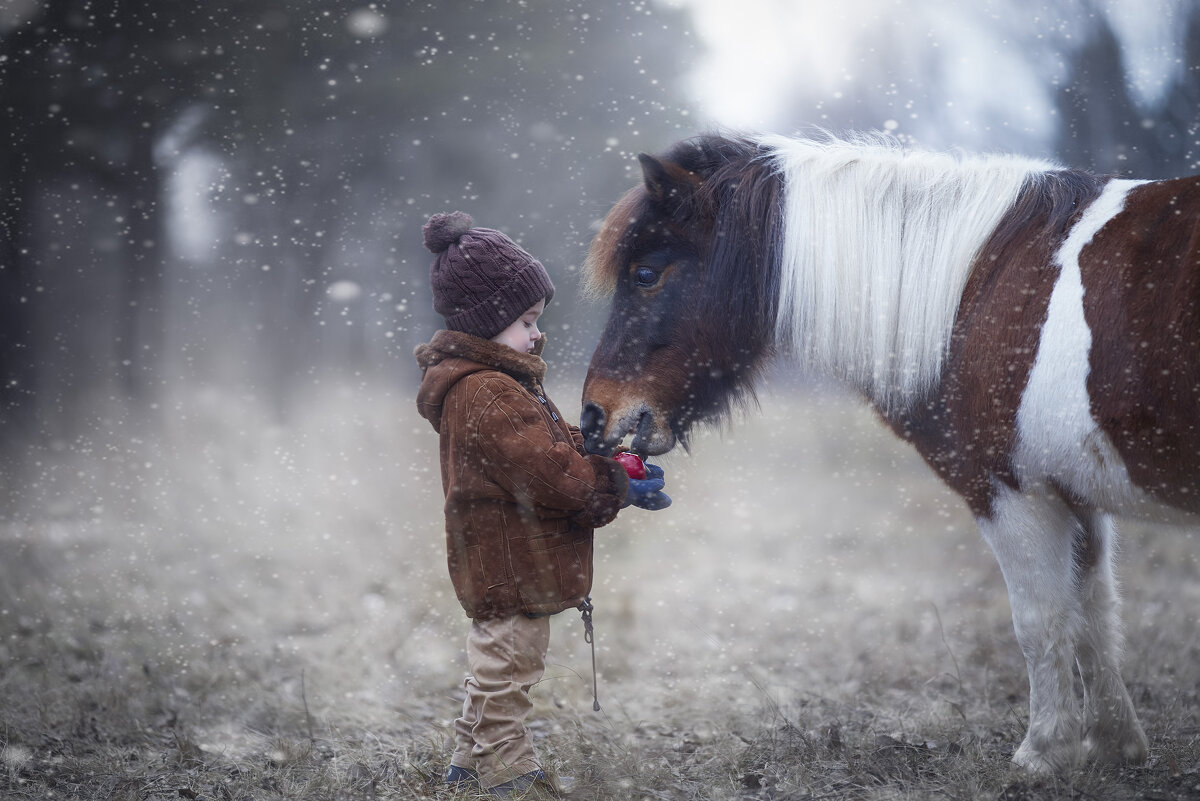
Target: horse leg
column 1113, row 731
column 1032, row 535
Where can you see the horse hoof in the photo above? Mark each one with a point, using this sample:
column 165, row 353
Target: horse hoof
column 1058, row 761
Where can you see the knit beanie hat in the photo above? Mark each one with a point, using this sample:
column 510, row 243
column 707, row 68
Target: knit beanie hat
column 482, row 280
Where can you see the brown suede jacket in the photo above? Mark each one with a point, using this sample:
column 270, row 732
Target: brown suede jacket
column 522, row 495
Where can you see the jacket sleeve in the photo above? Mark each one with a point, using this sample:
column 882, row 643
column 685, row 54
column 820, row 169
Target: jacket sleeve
column 577, row 438
column 521, row 455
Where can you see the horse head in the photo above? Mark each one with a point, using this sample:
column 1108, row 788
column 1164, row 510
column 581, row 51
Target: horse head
column 686, row 258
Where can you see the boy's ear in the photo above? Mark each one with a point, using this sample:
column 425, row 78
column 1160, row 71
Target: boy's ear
column 666, row 183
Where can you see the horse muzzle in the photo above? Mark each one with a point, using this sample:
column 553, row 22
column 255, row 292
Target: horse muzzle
column 603, row 432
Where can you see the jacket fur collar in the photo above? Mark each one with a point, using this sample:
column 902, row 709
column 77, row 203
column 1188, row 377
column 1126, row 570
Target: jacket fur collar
column 525, row 367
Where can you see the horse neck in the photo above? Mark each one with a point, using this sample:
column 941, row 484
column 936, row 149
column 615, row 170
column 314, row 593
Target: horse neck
column 877, row 247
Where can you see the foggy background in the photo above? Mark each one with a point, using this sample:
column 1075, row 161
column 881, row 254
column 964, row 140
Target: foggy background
column 228, row 195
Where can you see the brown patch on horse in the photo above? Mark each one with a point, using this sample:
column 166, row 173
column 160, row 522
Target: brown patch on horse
column 1141, row 280
column 967, row 431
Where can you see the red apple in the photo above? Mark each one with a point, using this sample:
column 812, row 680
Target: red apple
column 632, row 464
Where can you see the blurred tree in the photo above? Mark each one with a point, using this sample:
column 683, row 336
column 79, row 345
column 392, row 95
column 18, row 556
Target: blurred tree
column 1082, row 81
column 89, row 90
column 1102, row 125
column 229, row 191
column 1099, row 119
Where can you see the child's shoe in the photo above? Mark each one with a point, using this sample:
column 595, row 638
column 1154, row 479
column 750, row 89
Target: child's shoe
column 523, row 785
column 462, row 777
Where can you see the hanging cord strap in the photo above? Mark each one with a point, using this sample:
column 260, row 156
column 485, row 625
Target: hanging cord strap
column 589, row 636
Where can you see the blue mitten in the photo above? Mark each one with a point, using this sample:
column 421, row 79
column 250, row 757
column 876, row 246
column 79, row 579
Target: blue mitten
column 646, row 493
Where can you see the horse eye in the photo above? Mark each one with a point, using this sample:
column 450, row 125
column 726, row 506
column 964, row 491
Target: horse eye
column 645, row 277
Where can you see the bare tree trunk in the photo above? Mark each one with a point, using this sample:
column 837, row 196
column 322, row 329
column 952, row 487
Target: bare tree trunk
column 142, row 323
column 16, row 349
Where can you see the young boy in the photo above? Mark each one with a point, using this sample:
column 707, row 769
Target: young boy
column 522, row 495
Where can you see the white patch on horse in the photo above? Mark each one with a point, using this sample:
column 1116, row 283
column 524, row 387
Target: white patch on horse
column 878, row 243
column 1056, row 433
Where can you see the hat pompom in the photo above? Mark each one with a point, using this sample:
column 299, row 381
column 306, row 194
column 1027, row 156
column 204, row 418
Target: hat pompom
column 443, row 230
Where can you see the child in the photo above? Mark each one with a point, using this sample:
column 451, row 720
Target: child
column 522, row 495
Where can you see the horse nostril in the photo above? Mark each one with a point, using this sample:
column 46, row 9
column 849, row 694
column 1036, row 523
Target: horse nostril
column 591, row 425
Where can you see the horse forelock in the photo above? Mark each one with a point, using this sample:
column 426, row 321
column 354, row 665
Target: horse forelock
column 609, row 250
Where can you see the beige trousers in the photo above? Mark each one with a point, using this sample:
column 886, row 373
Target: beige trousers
column 506, row 657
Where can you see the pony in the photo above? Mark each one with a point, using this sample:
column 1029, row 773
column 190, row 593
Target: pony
column 1032, row 330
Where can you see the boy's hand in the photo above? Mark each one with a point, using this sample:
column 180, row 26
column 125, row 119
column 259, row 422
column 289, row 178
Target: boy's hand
column 646, row 493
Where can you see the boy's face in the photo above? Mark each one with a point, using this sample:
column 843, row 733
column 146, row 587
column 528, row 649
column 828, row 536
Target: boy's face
column 523, row 333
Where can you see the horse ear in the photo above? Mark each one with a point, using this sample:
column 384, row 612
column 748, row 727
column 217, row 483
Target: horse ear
column 665, row 181
column 654, row 174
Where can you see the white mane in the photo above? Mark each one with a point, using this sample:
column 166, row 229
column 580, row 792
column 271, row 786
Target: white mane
column 878, row 242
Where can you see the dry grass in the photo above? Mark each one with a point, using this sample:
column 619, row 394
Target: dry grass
column 240, row 609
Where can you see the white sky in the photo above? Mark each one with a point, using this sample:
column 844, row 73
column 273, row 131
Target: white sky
column 759, row 47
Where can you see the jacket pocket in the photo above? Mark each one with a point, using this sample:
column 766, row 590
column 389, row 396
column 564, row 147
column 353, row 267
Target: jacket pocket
column 553, row 533
column 559, row 570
